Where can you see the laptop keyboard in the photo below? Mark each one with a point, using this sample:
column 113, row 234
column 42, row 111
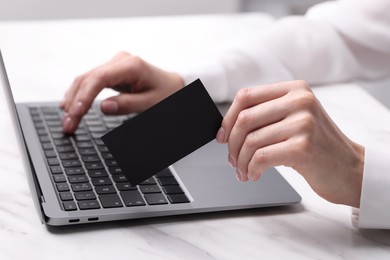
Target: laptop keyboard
column 84, row 172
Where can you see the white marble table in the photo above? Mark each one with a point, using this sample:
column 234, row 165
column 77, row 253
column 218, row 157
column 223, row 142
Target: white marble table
column 44, row 57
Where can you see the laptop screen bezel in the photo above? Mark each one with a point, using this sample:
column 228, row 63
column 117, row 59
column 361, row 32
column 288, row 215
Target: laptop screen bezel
column 27, row 165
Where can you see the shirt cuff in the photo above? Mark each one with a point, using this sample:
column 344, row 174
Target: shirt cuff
column 375, row 196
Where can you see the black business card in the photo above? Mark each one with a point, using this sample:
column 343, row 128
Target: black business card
column 165, row 133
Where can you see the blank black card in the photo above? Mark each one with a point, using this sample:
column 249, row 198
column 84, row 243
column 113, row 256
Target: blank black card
column 165, row 133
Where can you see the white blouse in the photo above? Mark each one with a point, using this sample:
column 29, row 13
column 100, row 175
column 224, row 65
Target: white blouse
column 335, row 41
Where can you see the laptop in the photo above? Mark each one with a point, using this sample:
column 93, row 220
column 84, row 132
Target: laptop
column 74, row 179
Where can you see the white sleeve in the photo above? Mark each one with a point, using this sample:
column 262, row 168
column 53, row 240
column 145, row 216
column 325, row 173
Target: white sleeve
column 374, row 209
column 335, row 41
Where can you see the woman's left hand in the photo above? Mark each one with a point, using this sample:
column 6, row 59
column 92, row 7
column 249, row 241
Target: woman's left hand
column 285, row 124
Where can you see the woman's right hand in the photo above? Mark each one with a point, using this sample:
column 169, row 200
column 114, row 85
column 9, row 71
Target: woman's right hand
column 140, row 85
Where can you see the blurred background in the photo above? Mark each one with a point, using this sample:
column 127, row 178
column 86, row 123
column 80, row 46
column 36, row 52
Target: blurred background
column 71, row 9
column 14, row 10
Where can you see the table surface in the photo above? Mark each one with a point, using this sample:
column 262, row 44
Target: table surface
column 43, row 58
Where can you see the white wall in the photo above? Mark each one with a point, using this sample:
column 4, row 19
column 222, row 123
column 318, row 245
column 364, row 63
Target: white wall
column 64, row 9
column 68, row 9
column 278, row 8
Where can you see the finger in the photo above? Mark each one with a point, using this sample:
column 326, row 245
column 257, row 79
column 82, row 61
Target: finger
column 246, row 98
column 111, row 74
column 271, row 156
column 128, row 103
column 253, row 118
column 266, row 136
column 70, row 124
column 71, row 92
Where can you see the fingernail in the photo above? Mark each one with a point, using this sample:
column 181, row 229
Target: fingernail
column 238, row 176
column 221, row 135
column 79, row 108
column 231, row 161
column 110, row 106
column 62, row 104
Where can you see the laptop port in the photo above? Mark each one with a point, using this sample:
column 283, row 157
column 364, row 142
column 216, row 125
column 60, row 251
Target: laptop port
column 74, row 220
column 93, row 219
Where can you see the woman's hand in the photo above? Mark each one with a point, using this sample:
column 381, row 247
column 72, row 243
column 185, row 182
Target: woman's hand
column 284, row 124
column 140, row 84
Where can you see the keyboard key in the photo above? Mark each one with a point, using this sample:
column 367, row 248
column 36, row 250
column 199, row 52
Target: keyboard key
column 56, row 169
column 178, row 198
column 50, row 153
column 110, row 201
column 39, row 125
column 93, row 122
column 53, row 161
column 112, row 125
column 56, row 129
column 111, row 163
column 132, row 198
column 167, row 181
column 38, row 120
column 62, row 186
column 85, row 195
column 107, row 156
column 90, row 158
column 101, row 181
column 115, row 170
column 103, row 149
column 65, row 196
column 53, row 123
column 98, row 141
column 97, row 173
column 97, row 135
column 74, row 171
column 52, row 110
column 89, row 204
column 150, row 189
column 68, row 156
column 82, row 138
column 47, row 146
column 175, row 189
column 149, row 181
column 94, row 166
column 155, row 199
column 125, row 186
column 164, row 173
column 44, row 139
column 105, row 189
column 52, row 117
column 97, row 129
column 42, row 132
column 65, row 149
column 69, row 205
column 80, row 131
column 59, row 136
column 59, row 178
column 71, row 163
column 84, row 144
column 62, row 142
column 78, row 179
column 81, row 187
column 87, row 151
column 119, row 178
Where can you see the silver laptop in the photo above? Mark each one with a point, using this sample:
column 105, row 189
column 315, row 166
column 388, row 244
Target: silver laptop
column 74, row 179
